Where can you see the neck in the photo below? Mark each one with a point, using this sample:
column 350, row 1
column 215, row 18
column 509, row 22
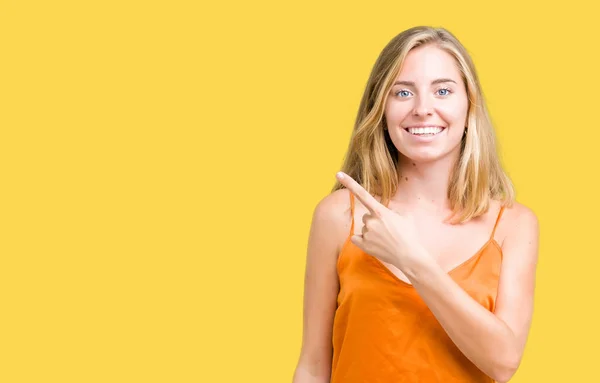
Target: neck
column 424, row 184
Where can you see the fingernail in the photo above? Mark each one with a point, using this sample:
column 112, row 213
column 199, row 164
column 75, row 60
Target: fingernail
column 340, row 175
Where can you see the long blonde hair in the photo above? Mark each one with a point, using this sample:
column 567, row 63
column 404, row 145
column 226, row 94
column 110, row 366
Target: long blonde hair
column 372, row 158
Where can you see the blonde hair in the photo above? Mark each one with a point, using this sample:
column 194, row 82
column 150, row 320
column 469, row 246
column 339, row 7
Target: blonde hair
column 372, row 158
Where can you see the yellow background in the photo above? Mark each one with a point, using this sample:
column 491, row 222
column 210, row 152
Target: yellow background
column 160, row 162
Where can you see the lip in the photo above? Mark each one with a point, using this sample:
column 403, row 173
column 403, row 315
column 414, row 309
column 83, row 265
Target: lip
column 423, row 126
column 424, row 138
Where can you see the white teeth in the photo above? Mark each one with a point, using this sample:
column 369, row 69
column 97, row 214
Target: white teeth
column 425, row 130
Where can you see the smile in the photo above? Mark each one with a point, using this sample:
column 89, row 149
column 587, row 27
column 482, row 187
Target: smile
column 425, row 130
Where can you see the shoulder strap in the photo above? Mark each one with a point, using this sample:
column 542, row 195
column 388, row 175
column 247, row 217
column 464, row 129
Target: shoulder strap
column 497, row 220
column 351, row 211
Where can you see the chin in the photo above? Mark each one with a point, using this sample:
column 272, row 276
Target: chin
column 425, row 156
column 422, row 155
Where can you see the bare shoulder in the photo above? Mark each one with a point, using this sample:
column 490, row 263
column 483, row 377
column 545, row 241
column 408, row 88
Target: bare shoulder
column 519, row 216
column 521, row 227
column 332, row 215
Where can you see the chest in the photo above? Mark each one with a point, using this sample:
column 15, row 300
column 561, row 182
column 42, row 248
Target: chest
column 451, row 245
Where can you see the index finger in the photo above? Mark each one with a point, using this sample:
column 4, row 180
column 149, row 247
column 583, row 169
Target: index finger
column 367, row 199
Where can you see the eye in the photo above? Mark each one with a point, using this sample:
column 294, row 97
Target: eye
column 403, row 93
column 444, row 92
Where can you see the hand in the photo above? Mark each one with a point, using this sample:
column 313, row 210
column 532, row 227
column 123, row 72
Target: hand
column 386, row 234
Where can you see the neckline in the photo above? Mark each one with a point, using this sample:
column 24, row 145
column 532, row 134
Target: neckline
column 389, row 272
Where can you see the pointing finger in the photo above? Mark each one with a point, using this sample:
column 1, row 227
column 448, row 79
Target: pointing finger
column 367, row 199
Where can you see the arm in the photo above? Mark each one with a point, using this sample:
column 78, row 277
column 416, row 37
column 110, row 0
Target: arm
column 321, row 289
column 494, row 342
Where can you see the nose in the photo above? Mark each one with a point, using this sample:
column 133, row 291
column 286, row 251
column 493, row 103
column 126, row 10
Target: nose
column 423, row 106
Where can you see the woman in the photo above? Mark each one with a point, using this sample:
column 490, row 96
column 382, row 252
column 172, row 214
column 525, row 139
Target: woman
column 420, row 265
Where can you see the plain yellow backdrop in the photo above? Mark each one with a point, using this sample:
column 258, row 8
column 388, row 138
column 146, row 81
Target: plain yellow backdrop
column 160, row 162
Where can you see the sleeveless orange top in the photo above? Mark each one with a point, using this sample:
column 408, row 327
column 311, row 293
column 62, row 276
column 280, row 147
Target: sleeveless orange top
column 383, row 331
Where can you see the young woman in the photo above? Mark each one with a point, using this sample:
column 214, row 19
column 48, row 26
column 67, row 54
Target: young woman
column 420, row 265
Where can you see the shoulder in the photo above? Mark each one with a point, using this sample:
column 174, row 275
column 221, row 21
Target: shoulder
column 332, row 215
column 519, row 217
column 521, row 228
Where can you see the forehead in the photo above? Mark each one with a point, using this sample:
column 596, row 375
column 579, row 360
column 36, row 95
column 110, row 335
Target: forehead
column 428, row 63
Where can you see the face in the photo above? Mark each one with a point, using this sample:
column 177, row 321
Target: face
column 426, row 111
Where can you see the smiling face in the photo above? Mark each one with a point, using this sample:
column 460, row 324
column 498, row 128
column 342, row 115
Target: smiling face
column 426, row 110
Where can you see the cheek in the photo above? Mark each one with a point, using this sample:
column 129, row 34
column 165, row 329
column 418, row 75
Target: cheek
column 454, row 113
column 397, row 112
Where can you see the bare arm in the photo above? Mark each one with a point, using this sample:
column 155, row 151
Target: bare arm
column 494, row 342
column 321, row 287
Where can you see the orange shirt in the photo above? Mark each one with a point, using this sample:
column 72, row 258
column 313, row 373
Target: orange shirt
column 383, row 331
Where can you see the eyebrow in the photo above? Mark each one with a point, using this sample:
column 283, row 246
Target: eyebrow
column 438, row 81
